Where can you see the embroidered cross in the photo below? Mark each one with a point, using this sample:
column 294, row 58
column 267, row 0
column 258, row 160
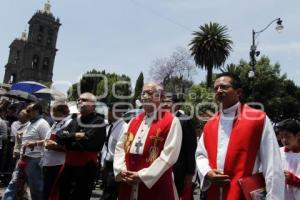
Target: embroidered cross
column 138, row 145
column 156, row 138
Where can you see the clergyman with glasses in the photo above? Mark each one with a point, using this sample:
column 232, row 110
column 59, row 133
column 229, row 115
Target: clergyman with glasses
column 83, row 138
column 145, row 154
column 237, row 142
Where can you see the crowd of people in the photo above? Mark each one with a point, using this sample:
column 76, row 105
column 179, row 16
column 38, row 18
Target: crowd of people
column 159, row 154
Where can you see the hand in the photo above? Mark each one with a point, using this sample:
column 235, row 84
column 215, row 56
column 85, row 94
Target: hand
column 80, row 135
column 30, row 145
column 132, row 177
column 50, row 144
column 217, row 177
column 121, row 176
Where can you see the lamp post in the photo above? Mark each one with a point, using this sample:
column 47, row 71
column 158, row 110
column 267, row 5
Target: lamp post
column 253, row 51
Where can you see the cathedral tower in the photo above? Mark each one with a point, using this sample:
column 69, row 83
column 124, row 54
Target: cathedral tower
column 31, row 58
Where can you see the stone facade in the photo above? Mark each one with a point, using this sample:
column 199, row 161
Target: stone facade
column 32, row 58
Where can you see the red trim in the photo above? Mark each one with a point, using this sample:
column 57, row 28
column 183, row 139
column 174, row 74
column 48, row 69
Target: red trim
column 242, row 149
column 163, row 188
column 295, row 150
column 79, row 158
column 293, row 180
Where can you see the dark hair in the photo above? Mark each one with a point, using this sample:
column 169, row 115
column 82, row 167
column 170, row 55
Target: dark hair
column 61, row 107
column 38, row 107
column 236, row 81
column 290, row 125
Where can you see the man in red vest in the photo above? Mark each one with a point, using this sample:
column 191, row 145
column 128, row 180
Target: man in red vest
column 145, row 154
column 237, row 142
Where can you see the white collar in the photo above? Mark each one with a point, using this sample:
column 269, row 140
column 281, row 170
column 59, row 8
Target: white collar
column 231, row 110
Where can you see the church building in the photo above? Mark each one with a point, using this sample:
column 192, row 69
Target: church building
column 31, row 57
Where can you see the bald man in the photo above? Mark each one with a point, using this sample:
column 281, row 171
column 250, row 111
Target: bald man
column 145, row 154
column 83, row 138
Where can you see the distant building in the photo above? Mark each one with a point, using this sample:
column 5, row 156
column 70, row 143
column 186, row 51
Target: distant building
column 31, row 58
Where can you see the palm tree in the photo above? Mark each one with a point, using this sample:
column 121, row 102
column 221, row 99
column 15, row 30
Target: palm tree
column 210, row 48
column 231, row 68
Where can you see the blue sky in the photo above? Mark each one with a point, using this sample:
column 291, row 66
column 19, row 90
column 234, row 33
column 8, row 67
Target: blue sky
column 125, row 36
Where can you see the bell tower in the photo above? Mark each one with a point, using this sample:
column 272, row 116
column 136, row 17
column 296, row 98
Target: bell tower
column 31, row 57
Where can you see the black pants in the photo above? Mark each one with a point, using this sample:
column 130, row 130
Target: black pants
column 76, row 183
column 110, row 190
column 49, row 177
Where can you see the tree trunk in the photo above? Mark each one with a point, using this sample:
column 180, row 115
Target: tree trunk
column 209, row 77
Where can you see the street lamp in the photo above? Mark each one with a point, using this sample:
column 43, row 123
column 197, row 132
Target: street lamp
column 253, row 52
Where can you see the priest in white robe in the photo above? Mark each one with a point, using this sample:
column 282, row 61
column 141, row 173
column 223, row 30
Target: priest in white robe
column 145, row 154
column 237, row 142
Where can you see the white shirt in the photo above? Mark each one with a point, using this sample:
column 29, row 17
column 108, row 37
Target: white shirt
column 119, row 127
column 166, row 159
column 17, row 130
column 291, row 163
column 35, row 132
column 51, row 157
column 267, row 160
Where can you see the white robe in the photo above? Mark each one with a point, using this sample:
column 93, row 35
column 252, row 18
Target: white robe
column 291, row 163
column 267, row 160
column 166, row 159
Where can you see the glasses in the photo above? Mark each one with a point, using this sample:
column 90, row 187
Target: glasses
column 222, row 87
column 148, row 92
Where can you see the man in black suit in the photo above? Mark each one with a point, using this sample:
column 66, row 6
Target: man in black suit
column 185, row 166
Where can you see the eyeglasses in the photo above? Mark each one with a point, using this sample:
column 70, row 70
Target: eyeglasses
column 222, row 87
column 148, row 92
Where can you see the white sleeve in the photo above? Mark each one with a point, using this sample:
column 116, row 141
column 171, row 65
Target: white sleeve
column 167, row 157
column 43, row 129
column 103, row 154
column 271, row 163
column 202, row 164
column 119, row 157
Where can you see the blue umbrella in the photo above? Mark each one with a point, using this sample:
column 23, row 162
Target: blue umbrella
column 28, row 86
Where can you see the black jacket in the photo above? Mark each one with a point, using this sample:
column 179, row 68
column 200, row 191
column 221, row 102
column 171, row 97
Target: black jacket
column 95, row 133
column 186, row 163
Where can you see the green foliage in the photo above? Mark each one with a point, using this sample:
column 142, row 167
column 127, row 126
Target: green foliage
column 177, row 84
column 278, row 95
column 210, row 47
column 201, row 99
column 72, row 92
column 101, row 84
column 138, row 86
column 121, row 89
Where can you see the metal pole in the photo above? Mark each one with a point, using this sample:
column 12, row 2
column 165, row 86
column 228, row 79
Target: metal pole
column 252, row 52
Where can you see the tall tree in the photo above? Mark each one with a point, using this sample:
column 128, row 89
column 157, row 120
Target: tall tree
column 114, row 88
column 108, row 86
column 138, row 86
column 175, row 71
column 278, row 95
column 210, row 47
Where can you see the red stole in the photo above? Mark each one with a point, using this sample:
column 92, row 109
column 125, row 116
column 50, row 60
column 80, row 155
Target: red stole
column 154, row 144
column 242, row 149
column 72, row 158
